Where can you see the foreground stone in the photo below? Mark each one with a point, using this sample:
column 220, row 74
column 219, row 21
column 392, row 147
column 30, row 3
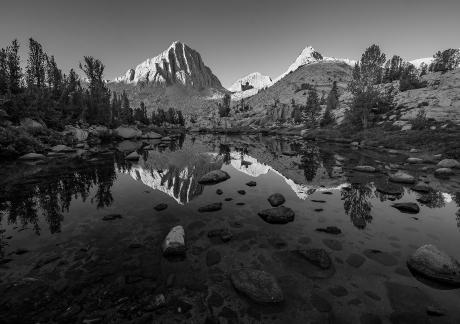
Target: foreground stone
column 174, row 242
column 127, row 132
column 210, row 207
column 443, row 172
column 133, row 156
column 277, row 215
column 449, row 163
column 214, row 177
column 430, row 262
column 276, row 199
column 317, row 257
column 402, row 177
column 410, row 208
column 258, row 285
column 160, row 207
column 365, row 168
column 32, row 157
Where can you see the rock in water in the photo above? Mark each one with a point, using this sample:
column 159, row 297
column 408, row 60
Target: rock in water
column 127, row 132
column 330, row 230
column 365, row 168
column 449, row 163
column 435, row 264
column 317, row 257
column 213, row 177
column 258, row 285
column 276, row 199
column 411, row 208
column 32, row 157
column 414, row 160
column 174, row 242
column 277, row 215
column 210, row 207
column 443, row 172
column 133, row 156
column 402, row 177
column 251, row 184
column 160, row 207
column 151, row 135
column 62, row 149
column 111, row 217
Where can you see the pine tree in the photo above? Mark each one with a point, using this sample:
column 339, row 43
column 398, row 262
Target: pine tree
column 3, row 72
column 14, row 70
column 54, row 76
column 333, row 97
column 312, row 110
column 36, row 65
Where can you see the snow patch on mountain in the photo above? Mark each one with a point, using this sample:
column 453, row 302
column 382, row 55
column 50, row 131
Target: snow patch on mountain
column 255, row 80
column 418, row 62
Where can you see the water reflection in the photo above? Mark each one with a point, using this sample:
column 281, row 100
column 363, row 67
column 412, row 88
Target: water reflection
column 357, row 203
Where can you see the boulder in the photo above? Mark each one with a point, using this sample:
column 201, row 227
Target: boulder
column 276, row 199
column 430, row 262
column 258, row 285
column 365, row 168
column 317, row 257
column 78, row 134
column 62, row 149
column 210, row 207
column 277, row 215
column 30, row 123
column 410, row 208
column 421, row 187
column 449, row 163
column 32, row 157
column 133, row 156
column 99, row 131
column 127, row 132
column 151, row 135
column 330, row 230
column 214, row 177
column 174, row 242
column 402, row 177
column 443, row 172
column 413, row 160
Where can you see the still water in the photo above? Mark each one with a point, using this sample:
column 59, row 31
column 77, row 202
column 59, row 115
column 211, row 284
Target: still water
column 54, row 241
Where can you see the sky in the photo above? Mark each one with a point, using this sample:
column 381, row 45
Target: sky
column 234, row 37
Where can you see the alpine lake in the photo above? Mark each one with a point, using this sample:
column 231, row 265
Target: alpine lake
column 81, row 237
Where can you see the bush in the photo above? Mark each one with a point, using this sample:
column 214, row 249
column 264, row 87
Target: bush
column 420, row 121
column 16, row 141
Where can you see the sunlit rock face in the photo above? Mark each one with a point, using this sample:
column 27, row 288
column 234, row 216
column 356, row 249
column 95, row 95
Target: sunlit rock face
column 175, row 173
column 179, row 64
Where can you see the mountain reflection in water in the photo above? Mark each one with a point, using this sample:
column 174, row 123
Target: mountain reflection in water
column 32, row 192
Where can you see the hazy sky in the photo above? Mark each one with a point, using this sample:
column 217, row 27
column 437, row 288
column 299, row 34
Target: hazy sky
column 234, row 37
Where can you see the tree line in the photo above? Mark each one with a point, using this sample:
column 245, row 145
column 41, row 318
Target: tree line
column 43, row 92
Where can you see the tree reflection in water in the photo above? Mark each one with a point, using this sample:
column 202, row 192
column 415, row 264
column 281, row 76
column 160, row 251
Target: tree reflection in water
column 224, row 151
column 357, row 205
column 310, row 160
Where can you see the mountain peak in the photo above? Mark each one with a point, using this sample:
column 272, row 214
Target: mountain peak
column 179, row 64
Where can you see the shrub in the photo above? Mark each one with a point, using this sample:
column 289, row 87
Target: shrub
column 420, row 121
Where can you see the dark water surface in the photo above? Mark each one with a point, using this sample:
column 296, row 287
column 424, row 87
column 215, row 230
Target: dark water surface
column 61, row 262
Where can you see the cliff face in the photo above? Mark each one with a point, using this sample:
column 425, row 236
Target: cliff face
column 179, row 64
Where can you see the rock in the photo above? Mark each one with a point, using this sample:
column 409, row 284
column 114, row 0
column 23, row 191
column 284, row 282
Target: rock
column 449, row 163
column 381, row 257
column 413, row 160
column 333, row 244
column 276, row 199
column 410, row 208
column 365, row 168
column 151, row 135
column 174, row 242
column 211, row 207
column 251, row 184
column 224, row 234
column 219, row 191
column 127, row 132
column 355, row 260
column 330, row 230
column 214, row 177
column 443, row 172
column 432, row 263
column 421, row 187
column 320, row 303
column 212, row 258
column 389, row 189
column 355, row 144
column 62, row 149
column 277, row 215
column 289, row 153
column 435, row 311
column 258, row 285
column 402, row 177
column 317, row 257
column 160, row 207
column 111, row 217
column 30, row 123
column 78, row 134
column 241, row 192
column 133, row 156
column 338, row 291
column 32, row 157
column 99, row 131
column 414, row 150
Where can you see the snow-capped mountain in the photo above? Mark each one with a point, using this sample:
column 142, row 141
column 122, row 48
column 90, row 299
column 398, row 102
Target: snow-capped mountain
column 309, row 56
column 254, row 80
column 418, row 62
column 179, row 64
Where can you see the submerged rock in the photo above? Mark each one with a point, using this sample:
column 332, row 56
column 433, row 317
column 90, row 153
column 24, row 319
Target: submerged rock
column 330, row 230
column 277, row 215
column 402, row 177
column 214, row 177
column 111, row 217
column 414, row 160
column 421, row 187
column 384, row 258
column 430, row 262
column 317, row 257
column 32, row 157
column 365, row 168
column 276, row 199
column 410, row 208
column 151, row 135
column 251, row 184
column 211, row 207
column 258, row 285
column 174, row 242
column 449, row 163
column 443, row 172
column 390, row 189
column 160, row 207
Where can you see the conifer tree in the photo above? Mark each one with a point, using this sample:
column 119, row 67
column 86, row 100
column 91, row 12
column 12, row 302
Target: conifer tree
column 312, row 110
column 36, row 65
column 14, row 70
